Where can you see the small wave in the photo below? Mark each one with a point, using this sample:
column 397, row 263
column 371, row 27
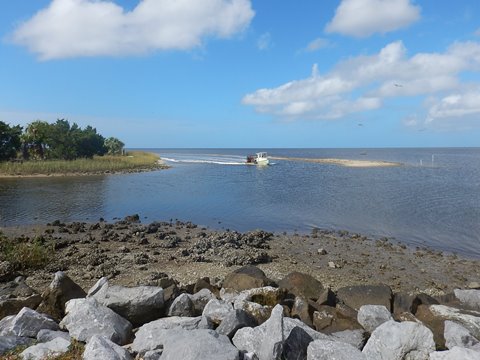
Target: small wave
column 204, row 161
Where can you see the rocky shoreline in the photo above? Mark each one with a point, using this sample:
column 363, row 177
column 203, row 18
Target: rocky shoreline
column 175, row 287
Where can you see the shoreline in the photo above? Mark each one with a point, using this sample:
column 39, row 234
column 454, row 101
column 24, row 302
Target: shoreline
column 129, row 252
column 342, row 162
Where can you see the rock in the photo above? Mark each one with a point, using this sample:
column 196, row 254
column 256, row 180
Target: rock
column 457, row 353
column 198, row 345
column 393, row 341
column 235, row 320
column 434, row 323
column 372, row 316
column 217, row 310
column 138, row 305
column 302, row 310
column 340, row 318
column 296, row 344
column 403, row 302
column 26, row 323
column 99, row 347
column 272, row 345
column 324, row 317
column 468, row 298
column 326, row 297
column 457, row 335
column 151, row 336
column 328, row 350
column 300, row 284
column 15, row 295
column 41, row 351
column 321, row 251
column 87, row 317
column 246, row 277
column 356, row 296
column 60, row 290
column 182, row 306
column 259, row 302
column 8, row 343
column 46, row 335
column 473, row 285
column 153, row 355
column 200, row 299
column 356, row 338
column 204, row 283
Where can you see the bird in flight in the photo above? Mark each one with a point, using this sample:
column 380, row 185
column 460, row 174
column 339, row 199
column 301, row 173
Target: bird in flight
column 398, row 85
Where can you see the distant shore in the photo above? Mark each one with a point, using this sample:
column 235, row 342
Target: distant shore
column 135, row 161
column 341, row 162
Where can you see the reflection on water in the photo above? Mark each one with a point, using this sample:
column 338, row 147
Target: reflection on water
column 436, row 204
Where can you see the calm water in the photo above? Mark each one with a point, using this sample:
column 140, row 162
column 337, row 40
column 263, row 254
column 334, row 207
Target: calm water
column 434, row 203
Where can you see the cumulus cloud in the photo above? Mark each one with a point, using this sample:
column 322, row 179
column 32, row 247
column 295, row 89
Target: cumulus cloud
column 75, row 28
column 362, row 18
column 365, row 82
column 264, row 42
column 317, row 44
column 460, row 105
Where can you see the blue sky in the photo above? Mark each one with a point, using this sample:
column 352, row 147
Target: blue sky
column 247, row 73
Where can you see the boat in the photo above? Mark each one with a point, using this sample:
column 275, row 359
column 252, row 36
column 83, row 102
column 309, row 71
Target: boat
column 259, row 158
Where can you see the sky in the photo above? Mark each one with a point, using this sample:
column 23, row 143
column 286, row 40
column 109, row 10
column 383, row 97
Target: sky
column 247, row 73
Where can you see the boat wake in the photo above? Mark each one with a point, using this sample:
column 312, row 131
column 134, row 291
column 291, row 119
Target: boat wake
column 207, row 160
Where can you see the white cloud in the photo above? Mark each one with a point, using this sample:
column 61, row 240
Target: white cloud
column 460, row 105
column 317, row 44
column 264, row 41
column 74, row 28
column 364, row 83
column 362, row 18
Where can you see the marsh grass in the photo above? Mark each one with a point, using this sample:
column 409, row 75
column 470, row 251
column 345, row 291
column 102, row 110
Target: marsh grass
column 25, row 254
column 134, row 160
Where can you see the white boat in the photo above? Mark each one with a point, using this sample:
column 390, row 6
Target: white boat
column 259, row 158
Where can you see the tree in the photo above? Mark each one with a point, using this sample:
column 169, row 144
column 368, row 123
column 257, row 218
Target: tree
column 114, row 146
column 9, row 141
column 88, row 143
column 35, row 139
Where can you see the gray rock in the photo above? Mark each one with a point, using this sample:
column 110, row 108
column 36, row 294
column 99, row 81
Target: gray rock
column 198, row 345
column 151, row 336
column 99, row 347
column 456, row 353
column 302, row 310
column 97, row 286
column 60, row 290
column 182, row 306
column 46, row 335
column 395, row 341
column 258, row 302
column 356, row 296
column 272, row 345
column 51, row 348
column 296, row 344
column 372, row 316
column 328, row 350
column 470, row 320
column 26, row 323
column 138, row 305
column 200, row 299
column 8, row 343
column 302, row 285
column 235, row 320
column 153, row 355
column 356, row 338
column 456, row 335
column 86, row 318
column 12, row 306
column 217, row 310
column 469, row 298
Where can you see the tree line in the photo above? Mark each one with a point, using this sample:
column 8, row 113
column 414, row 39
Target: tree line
column 60, row 140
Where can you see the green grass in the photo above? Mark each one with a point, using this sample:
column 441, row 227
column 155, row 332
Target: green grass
column 133, row 161
column 25, row 254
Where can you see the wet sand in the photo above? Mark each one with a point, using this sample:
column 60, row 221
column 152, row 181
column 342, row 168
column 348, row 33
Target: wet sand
column 341, row 162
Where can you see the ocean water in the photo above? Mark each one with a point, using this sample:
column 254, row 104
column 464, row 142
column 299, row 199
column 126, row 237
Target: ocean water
column 432, row 200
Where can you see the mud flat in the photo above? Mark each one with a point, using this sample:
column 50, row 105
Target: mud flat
column 341, row 162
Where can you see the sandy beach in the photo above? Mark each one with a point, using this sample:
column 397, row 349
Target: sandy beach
column 341, row 162
column 131, row 253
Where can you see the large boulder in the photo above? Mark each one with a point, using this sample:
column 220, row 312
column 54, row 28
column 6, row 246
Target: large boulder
column 247, row 277
column 272, row 345
column 327, row 350
column 356, row 338
column 152, row 336
column 60, row 290
column 8, row 343
column 357, row 296
column 396, row 341
column 405, row 302
column 468, row 298
column 372, row 316
column 457, row 353
column 48, row 349
column 296, row 344
column 15, row 295
column 200, row 299
column 302, row 310
column 46, row 335
column 138, row 305
column 259, row 302
column 235, row 320
column 99, row 347
column 182, row 306
column 217, row 310
column 198, row 345
column 26, row 323
column 87, row 317
column 303, row 285
column 456, row 335
column 334, row 319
